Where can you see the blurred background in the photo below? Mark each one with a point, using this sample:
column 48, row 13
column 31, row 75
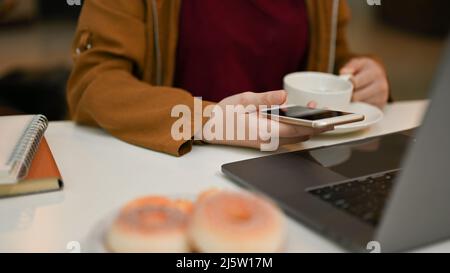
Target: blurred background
column 36, row 36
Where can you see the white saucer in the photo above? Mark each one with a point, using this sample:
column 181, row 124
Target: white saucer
column 372, row 114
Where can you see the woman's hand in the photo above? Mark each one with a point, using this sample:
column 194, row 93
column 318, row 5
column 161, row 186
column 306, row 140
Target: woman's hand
column 370, row 81
column 250, row 121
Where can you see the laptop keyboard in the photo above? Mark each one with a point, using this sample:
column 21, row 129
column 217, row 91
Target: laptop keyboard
column 364, row 198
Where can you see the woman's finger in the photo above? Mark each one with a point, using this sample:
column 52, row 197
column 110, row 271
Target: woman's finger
column 363, row 79
column 312, row 104
column 292, row 140
column 263, row 99
column 256, row 99
column 378, row 101
column 365, row 93
column 287, row 131
column 354, row 66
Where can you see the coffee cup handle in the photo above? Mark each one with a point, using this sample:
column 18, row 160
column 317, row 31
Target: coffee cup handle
column 347, row 77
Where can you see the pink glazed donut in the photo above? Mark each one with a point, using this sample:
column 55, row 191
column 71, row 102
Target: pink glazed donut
column 224, row 221
column 151, row 224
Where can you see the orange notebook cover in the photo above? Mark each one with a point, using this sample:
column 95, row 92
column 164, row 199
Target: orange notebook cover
column 43, row 175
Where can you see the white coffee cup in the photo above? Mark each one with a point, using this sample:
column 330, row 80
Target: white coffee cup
column 327, row 90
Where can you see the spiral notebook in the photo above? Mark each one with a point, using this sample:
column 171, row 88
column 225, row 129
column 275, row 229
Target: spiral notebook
column 26, row 162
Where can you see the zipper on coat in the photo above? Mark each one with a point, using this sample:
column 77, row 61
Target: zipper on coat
column 333, row 36
column 156, row 42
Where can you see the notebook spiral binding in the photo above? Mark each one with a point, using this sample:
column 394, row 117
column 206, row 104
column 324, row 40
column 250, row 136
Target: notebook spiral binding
column 25, row 150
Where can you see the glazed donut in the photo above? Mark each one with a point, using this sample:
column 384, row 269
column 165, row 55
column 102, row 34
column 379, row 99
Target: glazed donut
column 224, row 221
column 151, row 224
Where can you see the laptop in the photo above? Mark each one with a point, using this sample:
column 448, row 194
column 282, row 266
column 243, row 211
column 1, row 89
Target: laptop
column 393, row 190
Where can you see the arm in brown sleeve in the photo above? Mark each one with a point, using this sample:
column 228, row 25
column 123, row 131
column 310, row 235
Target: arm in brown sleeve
column 104, row 89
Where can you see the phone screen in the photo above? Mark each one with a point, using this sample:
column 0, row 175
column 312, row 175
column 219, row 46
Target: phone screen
column 305, row 113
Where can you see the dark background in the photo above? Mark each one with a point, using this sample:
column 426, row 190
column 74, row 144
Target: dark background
column 36, row 36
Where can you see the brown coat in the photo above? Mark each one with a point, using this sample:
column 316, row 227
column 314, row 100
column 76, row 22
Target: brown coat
column 124, row 63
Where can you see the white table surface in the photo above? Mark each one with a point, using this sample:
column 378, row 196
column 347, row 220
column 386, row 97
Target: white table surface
column 102, row 173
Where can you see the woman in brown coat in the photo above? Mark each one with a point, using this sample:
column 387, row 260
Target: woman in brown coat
column 135, row 60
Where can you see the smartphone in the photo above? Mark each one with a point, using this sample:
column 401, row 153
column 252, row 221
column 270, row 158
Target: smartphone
column 315, row 118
